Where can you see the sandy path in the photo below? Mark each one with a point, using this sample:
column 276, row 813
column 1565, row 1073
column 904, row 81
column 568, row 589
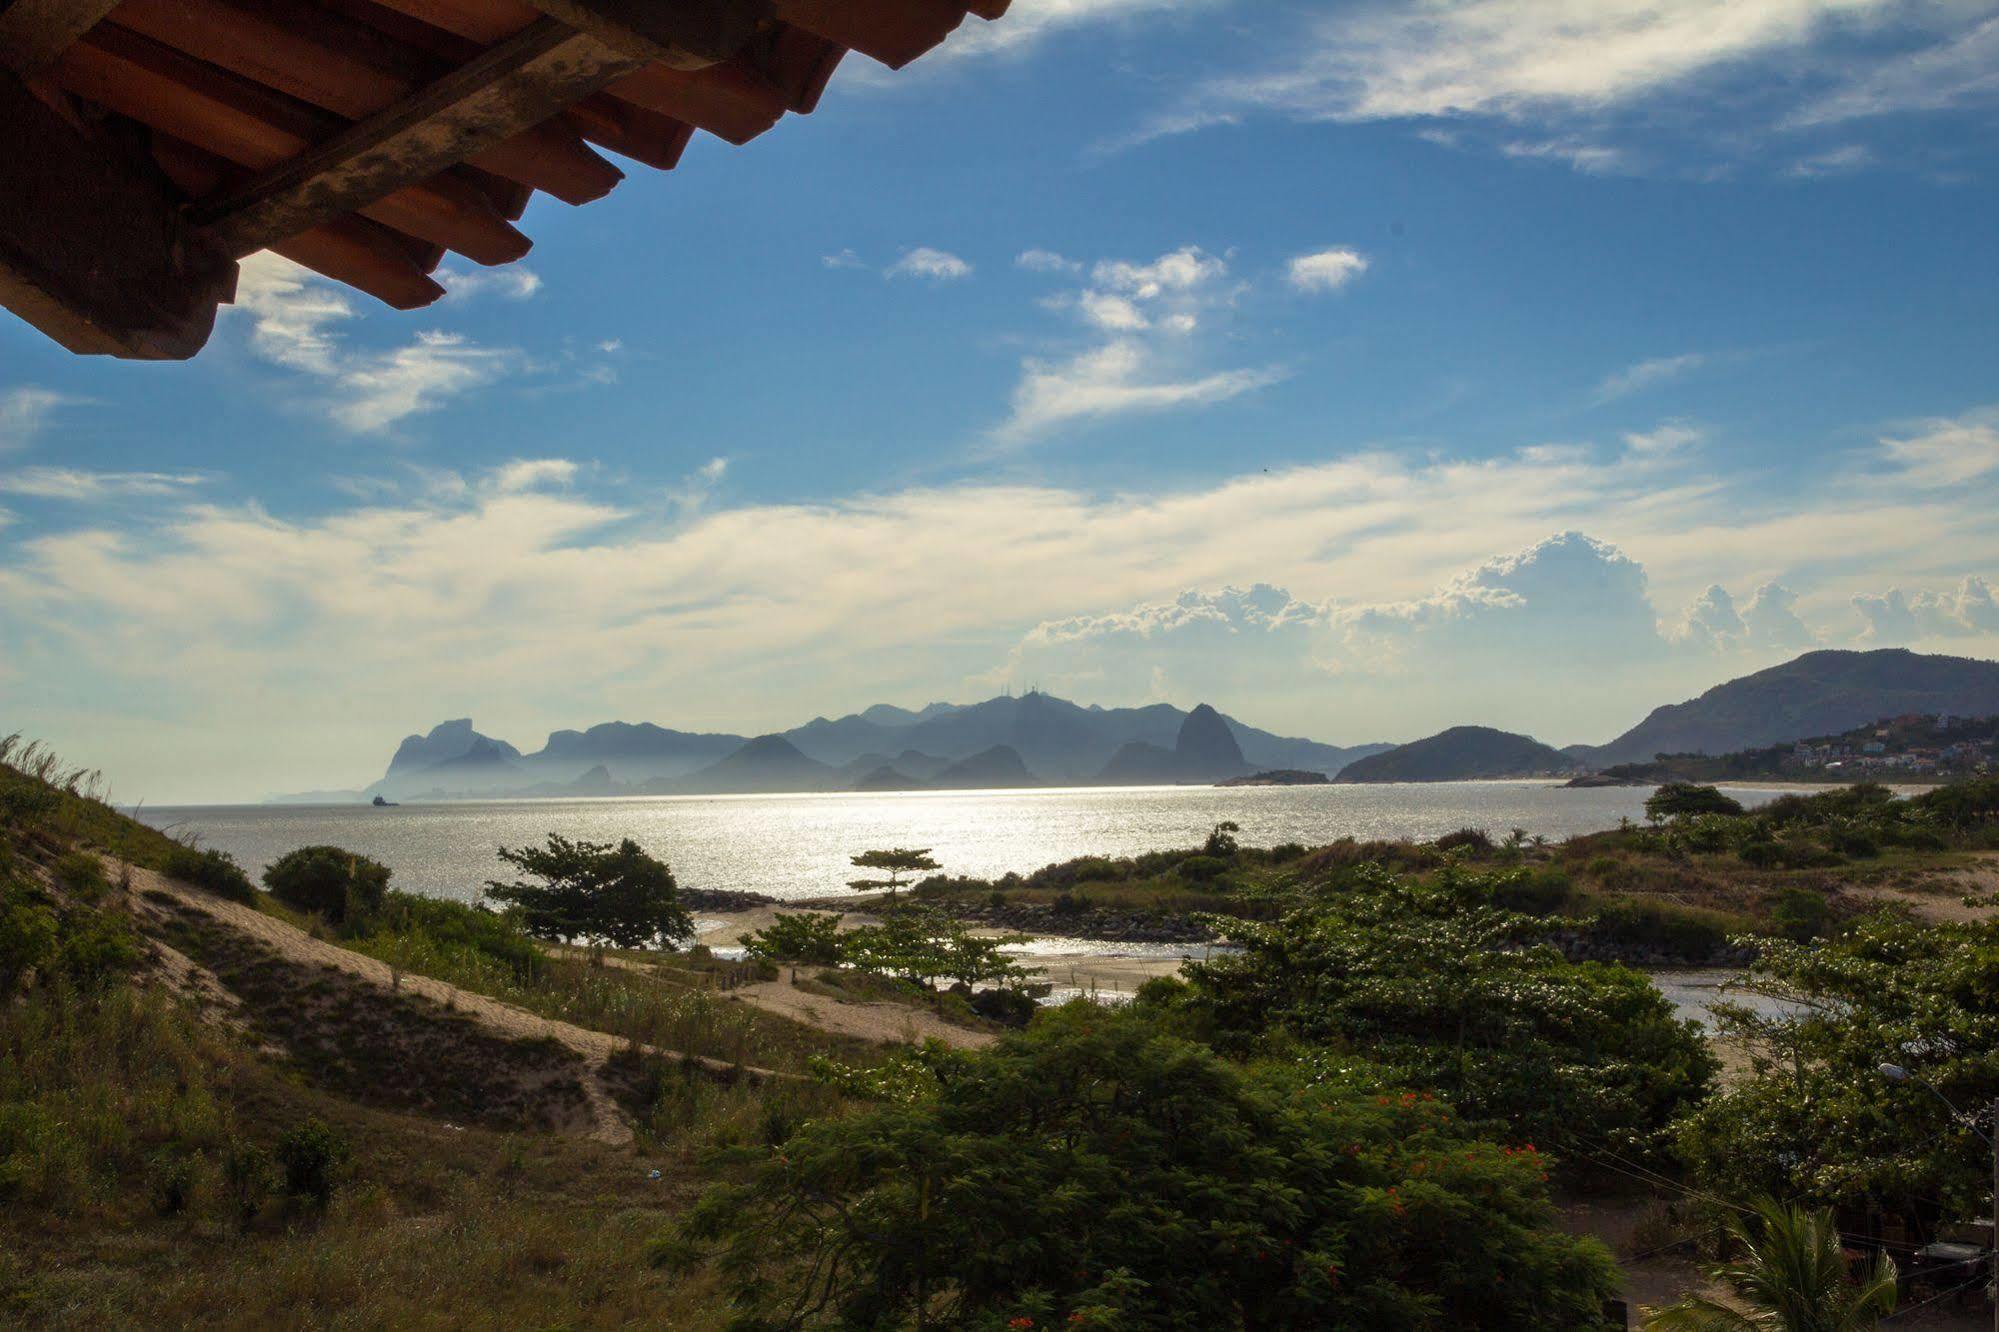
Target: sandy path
column 903, row 1024
column 608, row 1122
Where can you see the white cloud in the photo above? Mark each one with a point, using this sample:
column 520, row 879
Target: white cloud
column 1767, row 622
column 925, row 262
column 1046, row 261
column 25, row 411
column 1646, row 374
column 1669, row 438
column 1947, row 451
column 1327, row 270
column 1031, row 22
column 1111, row 312
column 1513, row 58
column 525, row 474
column 1592, row 159
column 1965, row 611
column 295, row 321
column 1832, row 162
column 510, row 281
column 1113, row 380
column 1961, row 69
column 1146, row 359
column 1586, row 79
column 843, row 259
column 297, row 646
column 82, row 486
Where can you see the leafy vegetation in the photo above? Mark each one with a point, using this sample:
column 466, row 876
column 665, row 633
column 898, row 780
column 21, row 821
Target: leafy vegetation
column 618, row 895
column 1459, row 995
column 327, row 881
column 1093, row 1172
column 1818, row 1120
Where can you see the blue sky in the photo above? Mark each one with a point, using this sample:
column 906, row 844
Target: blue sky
column 1363, row 369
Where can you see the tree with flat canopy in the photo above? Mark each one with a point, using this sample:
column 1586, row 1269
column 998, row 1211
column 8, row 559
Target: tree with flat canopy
column 605, row 894
column 897, row 861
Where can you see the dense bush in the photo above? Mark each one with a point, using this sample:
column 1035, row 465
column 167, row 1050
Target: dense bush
column 330, row 882
column 1534, row 893
column 1437, row 980
column 1678, row 800
column 1091, row 1172
column 426, row 928
column 1477, row 841
column 798, row 936
column 215, row 871
column 309, row 1155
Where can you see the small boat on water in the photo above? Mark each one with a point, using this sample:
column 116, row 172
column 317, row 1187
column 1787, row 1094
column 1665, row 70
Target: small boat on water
column 380, row 803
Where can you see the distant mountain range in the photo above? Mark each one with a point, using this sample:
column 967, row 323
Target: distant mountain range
column 1036, row 738
column 1013, row 740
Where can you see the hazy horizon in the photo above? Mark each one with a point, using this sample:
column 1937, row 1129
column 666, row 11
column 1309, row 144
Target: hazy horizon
column 1361, row 372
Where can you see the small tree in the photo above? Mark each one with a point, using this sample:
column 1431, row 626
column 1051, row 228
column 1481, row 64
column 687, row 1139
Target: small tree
column 798, row 936
column 898, row 861
column 1221, row 843
column 336, row 884
column 611, row 894
column 1677, row 800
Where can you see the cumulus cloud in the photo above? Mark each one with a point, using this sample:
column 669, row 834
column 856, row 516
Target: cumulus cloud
column 295, row 321
column 1967, row 610
column 1642, row 375
column 524, row 474
column 1327, row 270
column 931, row 264
column 24, row 411
column 1768, row 621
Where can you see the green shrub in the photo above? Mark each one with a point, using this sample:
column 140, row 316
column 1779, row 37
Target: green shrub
column 1679, row 800
column 1801, row 914
column 1477, row 841
column 1092, row 1172
column 329, row 882
column 28, row 934
column 1202, row 869
column 79, row 874
column 309, row 1155
column 798, row 936
column 1005, row 1005
column 1540, row 893
column 1683, row 932
column 214, row 871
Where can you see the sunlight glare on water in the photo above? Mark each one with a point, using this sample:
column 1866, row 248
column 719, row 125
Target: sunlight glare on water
column 792, row 846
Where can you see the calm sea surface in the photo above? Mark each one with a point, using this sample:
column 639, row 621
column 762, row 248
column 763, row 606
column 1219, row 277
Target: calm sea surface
column 797, row 845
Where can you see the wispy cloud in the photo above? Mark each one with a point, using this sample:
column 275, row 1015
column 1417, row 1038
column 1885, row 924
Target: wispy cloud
column 295, row 323
column 1327, row 270
column 932, row 264
column 1832, row 162
column 1113, row 380
column 1946, row 451
column 24, row 411
column 1960, row 70
column 1046, row 261
column 1584, row 74
column 1642, row 375
column 84, row 486
column 843, row 259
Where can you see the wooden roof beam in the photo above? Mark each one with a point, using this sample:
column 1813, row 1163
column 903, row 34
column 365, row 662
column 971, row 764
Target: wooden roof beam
column 93, row 252
column 255, row 127
column 515, row 84
column 35, row 33
column 343, row 66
